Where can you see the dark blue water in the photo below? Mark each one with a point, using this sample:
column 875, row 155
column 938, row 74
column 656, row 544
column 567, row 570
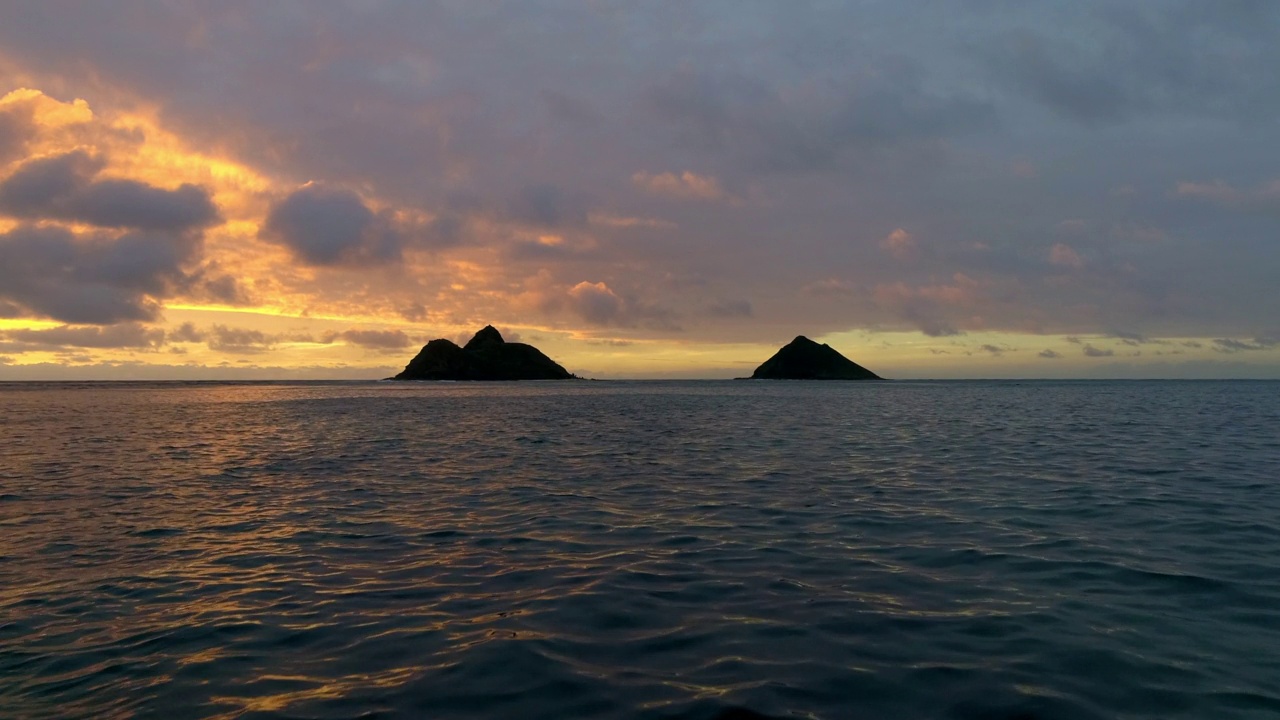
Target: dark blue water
column 984, row 550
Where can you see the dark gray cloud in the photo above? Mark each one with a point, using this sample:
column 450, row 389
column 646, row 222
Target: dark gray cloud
column 732, row 309
column 97, row 279
column 375, row 339
column 332, row 226
column 36, row 187
column 125, row 335
column 547, row 206
column 854, row 122
column 1097, row 62
column 15, row 129
column 9, row 140
column 1230, row 345
column 223, row 289
column 1050, row 354
column 1095, row 352
column 132, row 204
column 186, row 332
column 189, row 371
column 1135, row 339
column 62, row 188
column 238, row 341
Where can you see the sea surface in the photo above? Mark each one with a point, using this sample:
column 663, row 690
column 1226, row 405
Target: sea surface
column 657, row 550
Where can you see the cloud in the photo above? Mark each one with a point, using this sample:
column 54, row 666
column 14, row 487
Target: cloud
column 374, row 339
column 900, row 244
column 840, row 121
column 1264, row 198
column 247, row 341
column 1091, row 351
column 126, row 335
column 62, row 188
column 186, row 332
column 596, row 303
column 857, row 123
column 546, row 206
column 732, row 308
column 220, row 289
column 332, row 226
column 1055, row 73
column 240, row 341
column 91, row 279
column 15, row 129
column 1063, row 255
column 684, row 186
column 37, row 187
column 131, row 204
column 829, row 287
column 1136, row 339
column 1229, row 345
column 1100, row 63
column 1049, row 354
column 624, row 221
column 932, row 309
column 242, row 370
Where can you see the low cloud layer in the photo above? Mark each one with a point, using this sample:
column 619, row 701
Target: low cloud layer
column 382, row 340
column 127, row 335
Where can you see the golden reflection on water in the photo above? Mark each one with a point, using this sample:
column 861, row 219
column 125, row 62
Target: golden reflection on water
column 329, row 550
column 331, row 689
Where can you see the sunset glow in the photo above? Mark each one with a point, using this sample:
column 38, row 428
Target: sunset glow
column 324, row 209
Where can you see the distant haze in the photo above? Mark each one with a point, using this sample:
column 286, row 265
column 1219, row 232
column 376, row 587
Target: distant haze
column 664, row 189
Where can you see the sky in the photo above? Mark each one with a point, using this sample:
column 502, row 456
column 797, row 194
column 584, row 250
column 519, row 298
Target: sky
column 234, row 189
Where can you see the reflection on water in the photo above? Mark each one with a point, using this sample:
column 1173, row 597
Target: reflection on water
column 646, row 550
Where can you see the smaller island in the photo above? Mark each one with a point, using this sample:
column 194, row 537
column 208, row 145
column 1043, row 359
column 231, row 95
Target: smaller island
column 804, row 359
column 485, row 357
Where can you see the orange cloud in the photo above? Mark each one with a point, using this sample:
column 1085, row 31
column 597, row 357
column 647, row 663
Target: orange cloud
column 1063, row 255
column 685, row 186
column 900, row 244
column 938, row 309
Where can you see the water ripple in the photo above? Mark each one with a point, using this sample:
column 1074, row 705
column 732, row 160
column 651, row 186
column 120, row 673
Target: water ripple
column 646, row 550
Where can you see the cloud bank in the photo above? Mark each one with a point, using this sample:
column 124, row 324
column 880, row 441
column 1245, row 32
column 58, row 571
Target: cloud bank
column 607, row 171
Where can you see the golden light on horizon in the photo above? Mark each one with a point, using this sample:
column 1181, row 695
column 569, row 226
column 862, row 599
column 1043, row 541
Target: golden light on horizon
column 452, row 290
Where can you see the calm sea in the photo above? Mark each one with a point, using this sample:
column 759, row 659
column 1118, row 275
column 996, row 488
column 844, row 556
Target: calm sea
column 968, row 550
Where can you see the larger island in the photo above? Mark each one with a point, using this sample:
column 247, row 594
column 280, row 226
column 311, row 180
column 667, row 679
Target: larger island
column 804, row 359
column 485, row 357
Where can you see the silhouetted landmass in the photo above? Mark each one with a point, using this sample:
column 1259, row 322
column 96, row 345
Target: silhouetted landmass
column 804, row 359
column 485, row 357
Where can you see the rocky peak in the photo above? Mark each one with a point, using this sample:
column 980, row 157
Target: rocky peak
column 487, row 335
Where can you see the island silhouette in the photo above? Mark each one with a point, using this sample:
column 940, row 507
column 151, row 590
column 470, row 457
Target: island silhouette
column 485, row 357
column 804, row 359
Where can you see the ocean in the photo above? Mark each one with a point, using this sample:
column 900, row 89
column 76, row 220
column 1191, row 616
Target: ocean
column 956, row 550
